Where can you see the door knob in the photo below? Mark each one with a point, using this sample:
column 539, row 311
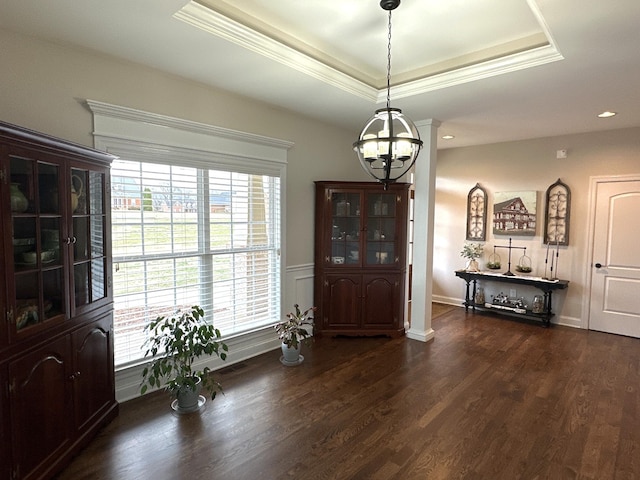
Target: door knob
column 598, row 265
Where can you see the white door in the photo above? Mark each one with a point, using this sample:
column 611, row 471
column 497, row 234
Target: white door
column 615, row 272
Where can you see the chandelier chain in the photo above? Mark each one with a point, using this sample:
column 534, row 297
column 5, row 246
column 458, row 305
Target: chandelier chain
column 389, row 64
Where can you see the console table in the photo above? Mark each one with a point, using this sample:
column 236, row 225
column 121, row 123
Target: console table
column 546, row 286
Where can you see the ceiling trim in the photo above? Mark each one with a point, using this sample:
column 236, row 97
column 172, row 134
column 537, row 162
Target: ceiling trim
column 216, row 23
column 489, row 68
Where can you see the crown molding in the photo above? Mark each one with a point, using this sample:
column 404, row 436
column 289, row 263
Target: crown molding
column 216, row 23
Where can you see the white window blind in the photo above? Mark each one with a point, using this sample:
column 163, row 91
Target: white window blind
column 186, row 235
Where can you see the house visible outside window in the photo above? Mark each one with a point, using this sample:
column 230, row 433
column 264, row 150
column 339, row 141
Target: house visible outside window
column 183, row 236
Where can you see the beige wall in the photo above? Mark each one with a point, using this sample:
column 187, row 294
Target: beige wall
column 527, row 165
column 43, row 85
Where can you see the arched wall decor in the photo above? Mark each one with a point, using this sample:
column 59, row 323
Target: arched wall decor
column 477, row 214
column 557, row 214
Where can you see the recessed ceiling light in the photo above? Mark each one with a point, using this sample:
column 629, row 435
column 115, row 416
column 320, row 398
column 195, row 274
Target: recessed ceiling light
column 607, row 114
column 448, row 137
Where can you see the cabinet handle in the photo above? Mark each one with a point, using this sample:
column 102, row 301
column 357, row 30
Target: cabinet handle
column 74, row 240
column 326, row 259
column 68, row 241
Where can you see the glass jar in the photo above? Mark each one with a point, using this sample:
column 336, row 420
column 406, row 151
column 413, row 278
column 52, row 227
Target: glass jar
column 479, row 298
column 538, row 304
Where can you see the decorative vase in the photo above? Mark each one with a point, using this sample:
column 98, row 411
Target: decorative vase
column 77, row 186
column 19, row 202
column 472, row 265
column 187, row 399
column 291, row 356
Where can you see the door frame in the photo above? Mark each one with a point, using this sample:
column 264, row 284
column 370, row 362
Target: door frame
column 593, row 190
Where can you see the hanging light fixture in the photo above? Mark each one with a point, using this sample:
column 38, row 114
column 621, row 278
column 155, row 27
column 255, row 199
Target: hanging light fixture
column 389, row 142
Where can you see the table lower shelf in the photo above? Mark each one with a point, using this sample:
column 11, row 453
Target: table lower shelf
column 545, row 318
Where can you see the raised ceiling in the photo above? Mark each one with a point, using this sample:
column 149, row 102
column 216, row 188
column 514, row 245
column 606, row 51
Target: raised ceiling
column 489, row 70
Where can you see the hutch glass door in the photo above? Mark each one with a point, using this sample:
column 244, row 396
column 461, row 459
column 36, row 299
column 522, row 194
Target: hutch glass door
column 38, row 293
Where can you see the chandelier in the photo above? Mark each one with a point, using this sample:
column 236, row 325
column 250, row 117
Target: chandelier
column 389, row 142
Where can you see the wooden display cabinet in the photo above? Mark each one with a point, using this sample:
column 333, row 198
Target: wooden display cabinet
column 56, row 343
column 360, row 258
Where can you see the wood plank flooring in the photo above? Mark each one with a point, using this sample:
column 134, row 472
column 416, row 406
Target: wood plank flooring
column 489, row 398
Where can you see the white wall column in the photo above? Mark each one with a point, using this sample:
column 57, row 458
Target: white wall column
column 424, row 207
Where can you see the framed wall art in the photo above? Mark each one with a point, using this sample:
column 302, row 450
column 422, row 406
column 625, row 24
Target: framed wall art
column 514, row 213
column 557, row 214
column 477, row 214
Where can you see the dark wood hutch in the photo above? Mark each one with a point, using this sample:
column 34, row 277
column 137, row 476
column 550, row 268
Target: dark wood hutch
column 56, row 299
column 360, row 258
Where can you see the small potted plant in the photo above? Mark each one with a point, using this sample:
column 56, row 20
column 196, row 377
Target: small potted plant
column 174, row 343
column 472, row 251
column 292, row 332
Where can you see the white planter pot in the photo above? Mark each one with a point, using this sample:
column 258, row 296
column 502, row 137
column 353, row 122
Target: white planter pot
column 291, row 356
column 188, row 400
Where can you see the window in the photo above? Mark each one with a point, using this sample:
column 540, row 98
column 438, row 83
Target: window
column 196, row 219
column 184, row 236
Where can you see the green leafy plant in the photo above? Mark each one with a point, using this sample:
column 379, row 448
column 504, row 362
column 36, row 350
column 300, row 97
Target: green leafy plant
column 174, row 343
column 292, row 330
column 472, row 250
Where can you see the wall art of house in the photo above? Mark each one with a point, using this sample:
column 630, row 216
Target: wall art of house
column 512, row 217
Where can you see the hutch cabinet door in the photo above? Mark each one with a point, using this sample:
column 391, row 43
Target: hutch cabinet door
column 89, row 238
column 40, row 406
column 37, row 296
column 381, row 229
column 344, row 228
column 93, row 371
column 382, row 301
column 342, row 301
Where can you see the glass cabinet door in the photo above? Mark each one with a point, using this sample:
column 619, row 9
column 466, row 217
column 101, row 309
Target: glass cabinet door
column 345, row 228
column 88, row 236
column 38, row 293
column 381, row 228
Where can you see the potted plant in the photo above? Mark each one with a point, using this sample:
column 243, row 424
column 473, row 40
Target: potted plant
column 472, row 251
column 174, row 343
column 292, row 332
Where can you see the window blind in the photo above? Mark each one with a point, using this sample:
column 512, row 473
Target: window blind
column 185, row 235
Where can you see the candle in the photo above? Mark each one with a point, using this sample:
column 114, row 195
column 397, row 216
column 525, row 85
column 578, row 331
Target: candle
column 546, row 259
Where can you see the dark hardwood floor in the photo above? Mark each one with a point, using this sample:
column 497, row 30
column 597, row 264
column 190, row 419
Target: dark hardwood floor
column 489, row 398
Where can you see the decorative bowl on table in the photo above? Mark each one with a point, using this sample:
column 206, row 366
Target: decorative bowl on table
column 523, row 269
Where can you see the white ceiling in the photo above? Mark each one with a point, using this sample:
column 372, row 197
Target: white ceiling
column 489, row 70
